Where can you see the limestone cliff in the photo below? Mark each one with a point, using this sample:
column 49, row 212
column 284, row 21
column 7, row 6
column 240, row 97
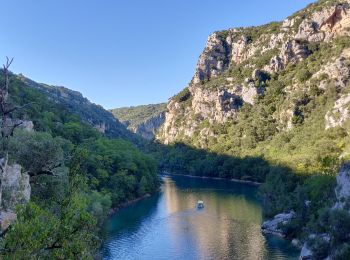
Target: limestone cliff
column 14, row 190
column 143, row 120
column 236, row 64
column 90, row 113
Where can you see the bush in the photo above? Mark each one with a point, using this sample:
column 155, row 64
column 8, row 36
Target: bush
column 303, row 75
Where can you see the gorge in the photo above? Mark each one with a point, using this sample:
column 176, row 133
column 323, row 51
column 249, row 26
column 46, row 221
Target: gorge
column 267, row 104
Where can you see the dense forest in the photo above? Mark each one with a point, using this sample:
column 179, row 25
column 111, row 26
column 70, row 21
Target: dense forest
column 282, row 135
column 76, row 175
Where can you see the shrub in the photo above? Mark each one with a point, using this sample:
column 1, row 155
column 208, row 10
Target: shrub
column 303, row 75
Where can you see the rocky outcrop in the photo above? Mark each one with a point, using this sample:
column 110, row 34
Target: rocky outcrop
column 15, row 187
column 340, row 113
column 217, row 91
column 337, row 69
column 14, row 190
column 326, row 24
column 306, row 253
column 342, row 192
column 75, row 103
column 214, row 59
column 144, row 120
column 149, row 128
column 342, row 189
column 273, row 226
column 6, row 219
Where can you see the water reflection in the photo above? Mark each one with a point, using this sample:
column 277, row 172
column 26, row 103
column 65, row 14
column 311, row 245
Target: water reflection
column 169, row 226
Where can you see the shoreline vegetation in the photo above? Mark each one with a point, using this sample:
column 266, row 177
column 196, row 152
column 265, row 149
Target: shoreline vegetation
column 254, row 183
column 128, row 203
column 147, row 195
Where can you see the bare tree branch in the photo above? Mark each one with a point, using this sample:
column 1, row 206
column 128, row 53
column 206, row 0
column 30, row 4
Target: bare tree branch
column 7, row 124
column 11, row 110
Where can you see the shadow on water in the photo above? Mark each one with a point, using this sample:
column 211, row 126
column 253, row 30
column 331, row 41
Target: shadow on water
column 131, row 217
column 169, row 226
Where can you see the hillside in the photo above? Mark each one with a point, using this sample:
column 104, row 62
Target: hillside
column 144, row 120
column 279, row 91
column 268, row 104
column 67, row 164
column 75, row 103
column 271, row 104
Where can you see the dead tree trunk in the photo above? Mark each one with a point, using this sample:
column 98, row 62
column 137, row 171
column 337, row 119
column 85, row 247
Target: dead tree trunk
column 5, row 125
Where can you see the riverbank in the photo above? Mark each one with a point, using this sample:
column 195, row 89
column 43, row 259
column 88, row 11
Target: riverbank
column 215, row 178
column 167, row 226
column 128, row 203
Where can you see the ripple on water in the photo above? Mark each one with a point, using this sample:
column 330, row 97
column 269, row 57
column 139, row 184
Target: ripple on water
column 170, row 227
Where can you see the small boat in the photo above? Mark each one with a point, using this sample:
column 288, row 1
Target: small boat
column 200, row 204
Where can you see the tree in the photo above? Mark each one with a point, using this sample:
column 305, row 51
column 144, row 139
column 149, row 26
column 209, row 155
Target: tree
column 65, row 233
column 39, row 153
column 7, row 124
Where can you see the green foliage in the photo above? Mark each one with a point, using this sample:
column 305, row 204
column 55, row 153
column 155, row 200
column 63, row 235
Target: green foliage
column 37, row 151
column 77, row 132
column 134, row 116
column 71, row 194
column 119, row 169
column 303, row 75
column 99, row 205
column 66, row 233
column 339, row 220
column 283, row 183
column 281, row 140
column 182, row 96
column 343, row 252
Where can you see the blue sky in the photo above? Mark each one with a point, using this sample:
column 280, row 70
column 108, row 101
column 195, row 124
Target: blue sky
column 122, row 53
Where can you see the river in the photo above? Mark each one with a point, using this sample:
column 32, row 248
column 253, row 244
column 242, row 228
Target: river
column 169, row 226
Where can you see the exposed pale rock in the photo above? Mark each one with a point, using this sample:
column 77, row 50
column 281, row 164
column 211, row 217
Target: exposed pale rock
column 306, row 253
column 293, row 52
column 276, row 64
column 338, row 69
column 6, row 219
column 14, row 190
column 337, row 22
column 296, row 242
column 149, row 128
column 342, row 189
column 15, row 187
column 250, row 92
column 101, row 127
column 214, row 58
column 219, row 102
column 340, row 112
column 325, row 24
column 27, row 125
column 272, row 226
column 239, row 51
column 218, row 105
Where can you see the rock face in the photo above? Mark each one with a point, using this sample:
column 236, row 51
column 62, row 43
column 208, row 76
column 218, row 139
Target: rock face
column 214, row 59
column 340, row 114
column 217, row 92
column 15, row 187
column 14, row 190
column 149, row 128
column 6, row 219
column 306, row 253
column 144, row 120
column 273, row 226
column 342, row 189
column 89, row 113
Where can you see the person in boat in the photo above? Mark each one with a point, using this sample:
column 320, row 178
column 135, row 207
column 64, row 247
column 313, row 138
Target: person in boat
column 200, row 204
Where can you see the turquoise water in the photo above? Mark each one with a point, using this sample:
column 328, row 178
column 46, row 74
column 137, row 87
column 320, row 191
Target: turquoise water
column 169, row 226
